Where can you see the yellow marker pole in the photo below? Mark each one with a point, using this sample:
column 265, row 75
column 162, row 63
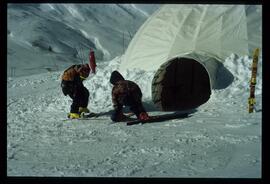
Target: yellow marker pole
column 251, row 99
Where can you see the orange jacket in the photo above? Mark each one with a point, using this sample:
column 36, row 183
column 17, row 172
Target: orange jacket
column 76, row 71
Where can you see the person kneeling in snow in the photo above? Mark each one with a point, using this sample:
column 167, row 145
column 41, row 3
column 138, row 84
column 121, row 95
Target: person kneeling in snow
column 72, row 85
column 126, row 93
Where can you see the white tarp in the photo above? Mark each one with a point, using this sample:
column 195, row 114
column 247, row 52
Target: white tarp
column 210, row 30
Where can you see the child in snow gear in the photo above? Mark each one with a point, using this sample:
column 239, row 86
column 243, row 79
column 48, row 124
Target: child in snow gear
column 126, row 93
column 72, row 85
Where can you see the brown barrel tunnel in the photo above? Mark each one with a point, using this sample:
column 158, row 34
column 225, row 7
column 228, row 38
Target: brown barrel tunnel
column 180, row 84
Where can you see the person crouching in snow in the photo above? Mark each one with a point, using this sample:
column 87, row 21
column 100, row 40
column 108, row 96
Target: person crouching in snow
column 72, row 85
column 126, row 93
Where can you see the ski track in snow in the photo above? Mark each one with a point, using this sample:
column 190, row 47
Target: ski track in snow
column 219, row 140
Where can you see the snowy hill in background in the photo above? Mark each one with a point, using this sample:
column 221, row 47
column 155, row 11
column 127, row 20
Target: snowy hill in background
column 49, row 37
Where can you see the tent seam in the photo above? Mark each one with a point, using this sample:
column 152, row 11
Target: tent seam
column 199, row 27
column 174, row 40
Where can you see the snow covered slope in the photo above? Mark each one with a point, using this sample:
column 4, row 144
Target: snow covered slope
column 49, row 37
column 219, row 140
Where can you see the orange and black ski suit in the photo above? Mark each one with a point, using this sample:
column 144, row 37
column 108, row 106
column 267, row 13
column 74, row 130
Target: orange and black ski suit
column 72, row 85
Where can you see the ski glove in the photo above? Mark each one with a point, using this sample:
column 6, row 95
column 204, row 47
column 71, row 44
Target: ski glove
column 143, row 116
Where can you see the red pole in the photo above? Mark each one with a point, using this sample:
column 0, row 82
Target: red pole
column 92, row 61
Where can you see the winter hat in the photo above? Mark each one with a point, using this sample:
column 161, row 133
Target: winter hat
column 84, row 71
column 115, row 77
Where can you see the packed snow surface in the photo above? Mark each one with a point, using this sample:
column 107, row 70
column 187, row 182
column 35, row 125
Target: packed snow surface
column 220, row 139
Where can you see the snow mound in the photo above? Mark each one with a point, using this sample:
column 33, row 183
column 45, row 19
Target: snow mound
column 240, row 67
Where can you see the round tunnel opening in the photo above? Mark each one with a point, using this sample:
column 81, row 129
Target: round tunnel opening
column 180, row 84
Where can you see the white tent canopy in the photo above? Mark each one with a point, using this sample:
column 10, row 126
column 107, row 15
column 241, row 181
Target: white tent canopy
column 212, row 30
column 206, row 33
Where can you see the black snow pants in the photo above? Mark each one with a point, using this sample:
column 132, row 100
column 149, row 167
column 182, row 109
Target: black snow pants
column 77, row 92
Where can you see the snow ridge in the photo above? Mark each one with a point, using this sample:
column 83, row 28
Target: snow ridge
column 105, row 52
column 140, row 10
column 73, row 11
column 55, row 30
